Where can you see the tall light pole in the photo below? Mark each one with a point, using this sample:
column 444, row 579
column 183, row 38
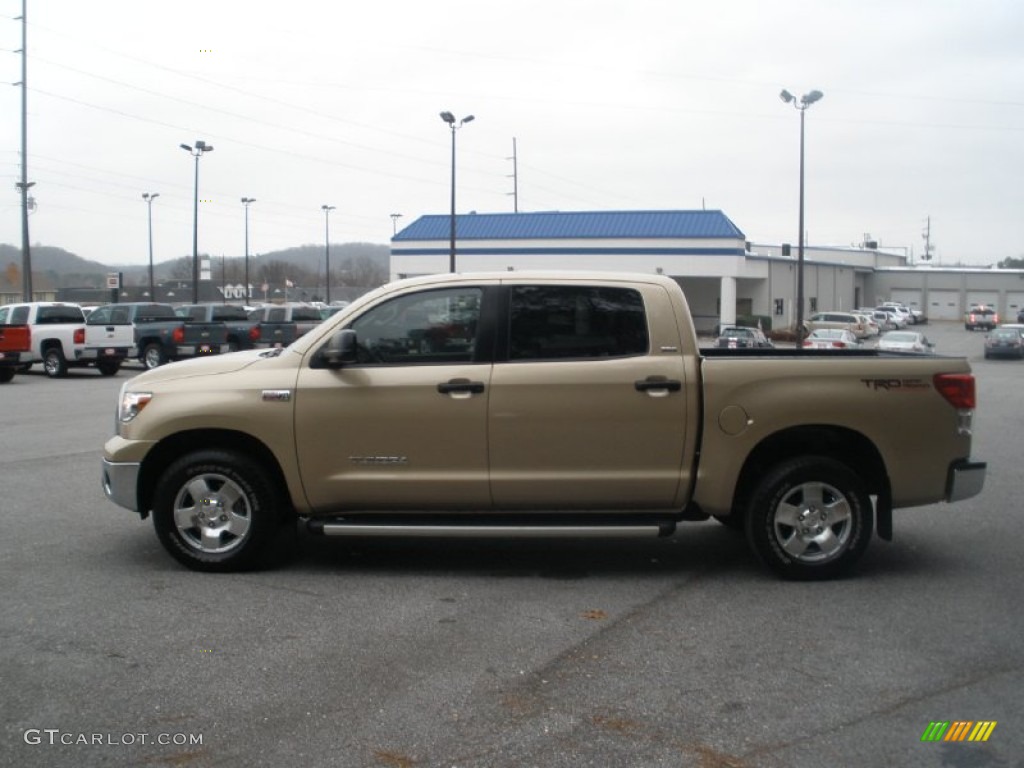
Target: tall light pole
column 449, row 118
column 245, row 202
column 149, row 197
column 24, row 185
column 327, row 245
column 805, row 101
column 394, row 222
column 196, row 151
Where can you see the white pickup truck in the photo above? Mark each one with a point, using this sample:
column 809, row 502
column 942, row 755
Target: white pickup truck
column 538, row 404
column 60, row 339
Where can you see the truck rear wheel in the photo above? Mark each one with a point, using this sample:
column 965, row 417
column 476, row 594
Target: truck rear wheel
column 108, row 367
column 810, row 518
column 54, row 364
column 153, row 356
column 219, row 511
column 6, row 373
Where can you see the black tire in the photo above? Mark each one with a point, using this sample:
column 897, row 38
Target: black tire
column 108, row 367
column 152, row 356
column 810, row 518
column 245, row 516
column 7, row 373
column 54, row 364
column 732, row 522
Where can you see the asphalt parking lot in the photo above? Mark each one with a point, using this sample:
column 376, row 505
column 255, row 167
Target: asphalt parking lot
column 402, row 654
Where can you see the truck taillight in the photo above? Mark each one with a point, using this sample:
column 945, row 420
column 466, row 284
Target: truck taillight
column 79, row 337
column 957, row 388
column 254, row 333
column 179, row 334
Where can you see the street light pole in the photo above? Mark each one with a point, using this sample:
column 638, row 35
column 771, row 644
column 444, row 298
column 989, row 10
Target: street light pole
column 196, row 152
column 245, row 202
column 804, row 102
column 449, row 118
column 394, row 223
column 327, row 246
column 149, row 197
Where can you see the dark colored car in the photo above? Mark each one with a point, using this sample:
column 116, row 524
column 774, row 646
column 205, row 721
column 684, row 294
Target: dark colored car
column 1004, row 342
column 741, row 337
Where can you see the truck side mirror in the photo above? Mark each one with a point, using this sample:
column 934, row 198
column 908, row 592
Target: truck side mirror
column 340, row 349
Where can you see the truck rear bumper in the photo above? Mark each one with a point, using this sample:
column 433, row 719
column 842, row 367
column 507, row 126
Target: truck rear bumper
column 120, row 483
column 94, row 354
column 965, row 479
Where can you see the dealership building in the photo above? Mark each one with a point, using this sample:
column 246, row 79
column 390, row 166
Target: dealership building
column 724, row 275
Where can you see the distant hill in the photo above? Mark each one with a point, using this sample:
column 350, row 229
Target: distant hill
column 57, row 266
column 63, row 269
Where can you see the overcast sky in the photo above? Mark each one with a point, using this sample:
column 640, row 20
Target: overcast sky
column 649, row 104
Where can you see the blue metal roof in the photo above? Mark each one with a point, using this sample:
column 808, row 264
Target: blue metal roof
column 574, row 225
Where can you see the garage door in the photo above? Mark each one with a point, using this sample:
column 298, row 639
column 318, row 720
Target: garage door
column 909, row 296
column 944, row 305
column 990, row 298
column 1014, row 305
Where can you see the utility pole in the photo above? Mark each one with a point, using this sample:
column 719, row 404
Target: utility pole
column 515, row 177
column 927, row 235
column 24, row 185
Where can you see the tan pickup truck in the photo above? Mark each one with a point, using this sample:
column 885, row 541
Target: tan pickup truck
column 537, row 404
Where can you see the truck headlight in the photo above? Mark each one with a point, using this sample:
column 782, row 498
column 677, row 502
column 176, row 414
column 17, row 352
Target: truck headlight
column 131, row 405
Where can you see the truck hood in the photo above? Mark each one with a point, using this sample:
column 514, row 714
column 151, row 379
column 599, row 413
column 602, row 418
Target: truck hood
column 208, row 366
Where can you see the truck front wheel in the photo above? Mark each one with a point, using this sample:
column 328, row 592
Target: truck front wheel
column 219, row 511
column 810, row 518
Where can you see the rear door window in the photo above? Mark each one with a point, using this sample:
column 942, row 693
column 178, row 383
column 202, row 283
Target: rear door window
column 569, row 322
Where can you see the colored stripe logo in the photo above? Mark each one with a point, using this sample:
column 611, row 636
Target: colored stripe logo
column 959, row 730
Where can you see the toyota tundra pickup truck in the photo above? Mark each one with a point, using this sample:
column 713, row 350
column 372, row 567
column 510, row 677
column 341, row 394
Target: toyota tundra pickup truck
column 537, row 404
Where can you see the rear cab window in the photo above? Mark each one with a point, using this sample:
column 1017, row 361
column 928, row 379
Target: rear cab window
column 60, row 314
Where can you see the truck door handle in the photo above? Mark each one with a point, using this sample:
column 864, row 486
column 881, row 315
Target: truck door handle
column 657, row 382
column 459, row 386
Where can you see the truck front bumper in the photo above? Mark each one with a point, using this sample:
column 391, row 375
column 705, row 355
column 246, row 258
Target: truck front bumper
column 965, row 479
column 120, row 483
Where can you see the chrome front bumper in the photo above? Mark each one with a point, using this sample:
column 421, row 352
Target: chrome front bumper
column 121, row 482
column 965, row 479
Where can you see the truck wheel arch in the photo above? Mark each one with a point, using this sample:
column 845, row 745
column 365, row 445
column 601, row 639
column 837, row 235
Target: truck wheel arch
column 847, row 446
column 173, row 447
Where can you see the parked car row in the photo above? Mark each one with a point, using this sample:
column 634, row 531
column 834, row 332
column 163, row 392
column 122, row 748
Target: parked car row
column 63, row 335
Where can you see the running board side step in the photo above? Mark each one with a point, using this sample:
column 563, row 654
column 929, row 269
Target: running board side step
column 474, row 529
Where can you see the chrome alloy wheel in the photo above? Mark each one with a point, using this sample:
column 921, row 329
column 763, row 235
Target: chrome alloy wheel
column 813, row 522
column 212, row 513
